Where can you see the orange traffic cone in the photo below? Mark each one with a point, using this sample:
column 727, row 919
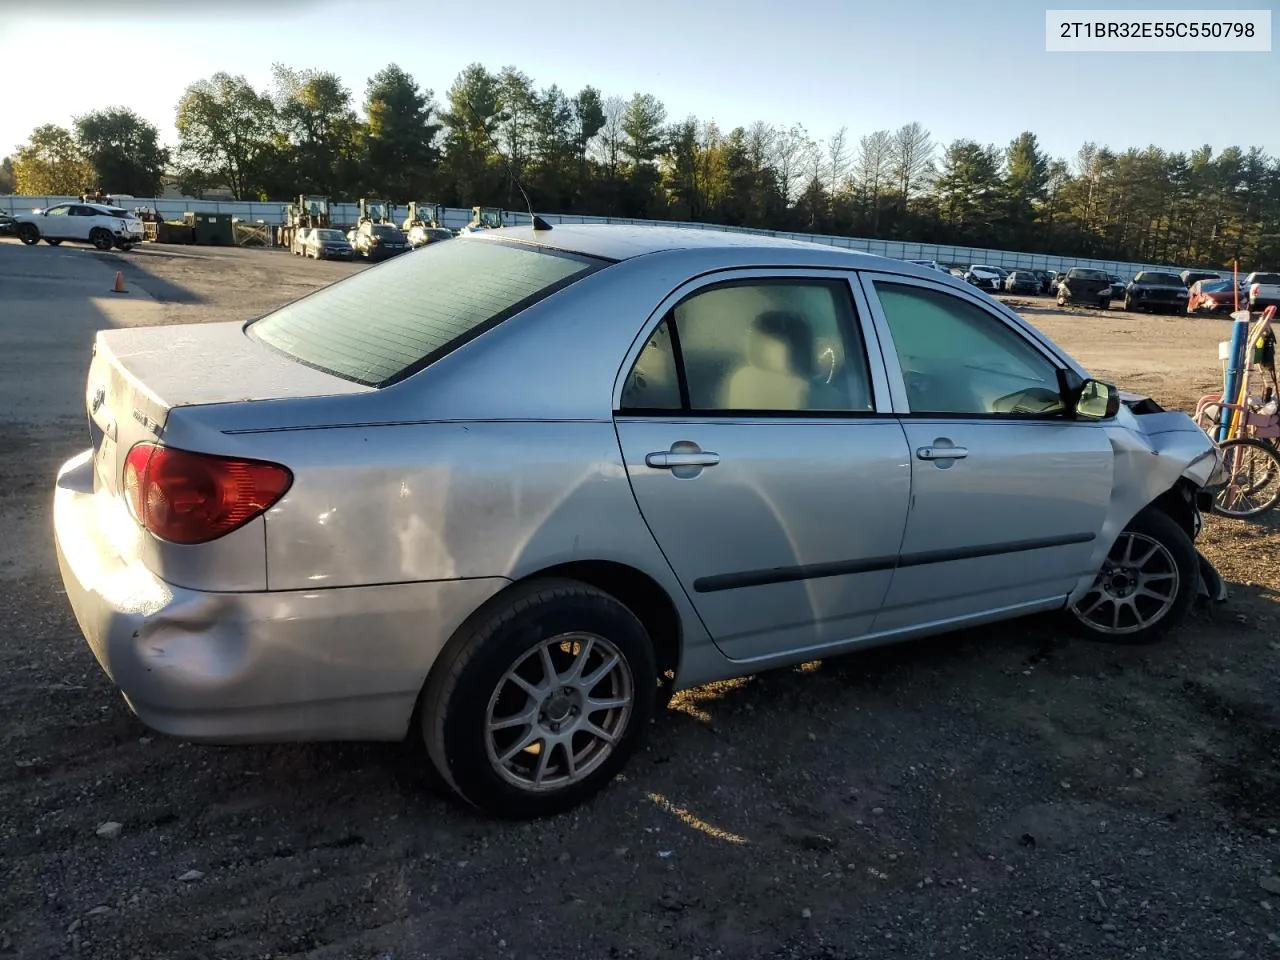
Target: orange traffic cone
column 119, row 287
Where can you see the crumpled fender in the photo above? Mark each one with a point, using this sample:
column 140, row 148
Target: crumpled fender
column 1153, row 452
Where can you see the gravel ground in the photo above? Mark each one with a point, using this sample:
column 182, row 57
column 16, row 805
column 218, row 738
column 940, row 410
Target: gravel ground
column 1003, row 793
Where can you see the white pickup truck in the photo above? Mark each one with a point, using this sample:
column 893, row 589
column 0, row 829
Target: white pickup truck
column 1263, row 290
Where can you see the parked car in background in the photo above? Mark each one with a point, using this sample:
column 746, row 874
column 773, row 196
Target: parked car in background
column 1022, row 281
column 1189, row 277
column 380, row 450
column 1264, row 290
column 1118, row 283
column 103, row 226
column 378, row 241
column 1044, row 278
column 1213, row 297
column 420, row 236
column 298, row 245
column 326, row 243
column 1154, row 291
column 984, row 277
column 1086, row 286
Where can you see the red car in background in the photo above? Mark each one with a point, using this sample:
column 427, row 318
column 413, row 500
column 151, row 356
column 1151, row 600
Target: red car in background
column 1212, row 297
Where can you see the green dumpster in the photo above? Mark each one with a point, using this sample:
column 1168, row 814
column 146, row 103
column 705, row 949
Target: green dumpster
column 212, row 229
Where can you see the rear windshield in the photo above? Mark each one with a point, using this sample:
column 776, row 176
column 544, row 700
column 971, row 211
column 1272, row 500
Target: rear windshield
column 1166, row 278
column 117, row 211
column 330, row 234
column 383, row 324
column 385, row 230
column 1215, row 286
column 1080, row 273
column 1266, row 278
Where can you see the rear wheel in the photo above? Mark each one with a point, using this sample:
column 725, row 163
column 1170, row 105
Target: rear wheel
column 537, row 706
column 1146, row 585
column 28, row 233
column 102, row 238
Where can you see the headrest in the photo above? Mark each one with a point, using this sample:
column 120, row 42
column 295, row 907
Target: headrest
column 781, row 341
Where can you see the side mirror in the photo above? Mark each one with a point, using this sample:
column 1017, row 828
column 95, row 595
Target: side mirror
column 1097, row 401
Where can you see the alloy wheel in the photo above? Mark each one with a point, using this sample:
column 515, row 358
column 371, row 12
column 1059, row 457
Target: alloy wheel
column 1137, row 585
column 558, row 711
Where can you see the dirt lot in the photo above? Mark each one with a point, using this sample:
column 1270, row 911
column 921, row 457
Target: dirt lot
column 1003, row 794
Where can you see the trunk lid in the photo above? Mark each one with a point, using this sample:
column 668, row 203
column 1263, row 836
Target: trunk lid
column 139, row 374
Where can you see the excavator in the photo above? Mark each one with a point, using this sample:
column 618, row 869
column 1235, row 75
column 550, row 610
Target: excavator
column 303, row 214
column 423, row 213
column 425, row 224
column 484, row 218
column 376, row 235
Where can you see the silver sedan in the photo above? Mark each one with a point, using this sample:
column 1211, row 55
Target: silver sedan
column 511, row 493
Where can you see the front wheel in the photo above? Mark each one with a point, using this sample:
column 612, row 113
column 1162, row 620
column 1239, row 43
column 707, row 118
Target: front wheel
column 28, row 233
column 1146, row 585
column 537, row 706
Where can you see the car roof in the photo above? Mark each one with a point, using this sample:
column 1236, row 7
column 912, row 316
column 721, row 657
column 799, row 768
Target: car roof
column 612, row 241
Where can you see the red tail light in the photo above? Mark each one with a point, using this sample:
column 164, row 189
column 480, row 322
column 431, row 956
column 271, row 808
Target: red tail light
column 186, row 497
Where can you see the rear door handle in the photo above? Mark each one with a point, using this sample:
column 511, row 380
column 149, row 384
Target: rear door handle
column 665, row 459
column 941, row 453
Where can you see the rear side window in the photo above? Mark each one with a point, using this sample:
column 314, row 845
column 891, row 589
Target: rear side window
column 384, row 324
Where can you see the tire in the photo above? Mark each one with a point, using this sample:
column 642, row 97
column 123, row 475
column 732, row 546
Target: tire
column 51, row 242
column 1270, row 464
column 469, row 684
column 29, row 233
column 1104, row 303
column 1174, row 568
column 102, row 238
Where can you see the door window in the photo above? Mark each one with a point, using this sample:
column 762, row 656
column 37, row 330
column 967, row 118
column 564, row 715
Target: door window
column 57, row 211
column 959, row 360
column 756, row 346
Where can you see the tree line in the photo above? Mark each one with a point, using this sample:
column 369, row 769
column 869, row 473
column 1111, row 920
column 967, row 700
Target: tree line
column 584, row 152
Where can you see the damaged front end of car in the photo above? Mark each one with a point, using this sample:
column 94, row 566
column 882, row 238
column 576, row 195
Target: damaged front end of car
column 1164, row 459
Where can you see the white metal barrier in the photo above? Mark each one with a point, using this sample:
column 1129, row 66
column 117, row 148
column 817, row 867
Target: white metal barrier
column 271, row 213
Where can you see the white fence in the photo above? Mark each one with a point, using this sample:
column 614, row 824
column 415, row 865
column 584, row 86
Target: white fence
column 272, row 213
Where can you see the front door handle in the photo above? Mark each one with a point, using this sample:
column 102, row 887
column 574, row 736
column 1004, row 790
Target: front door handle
column 667, row 459
column 941, row 453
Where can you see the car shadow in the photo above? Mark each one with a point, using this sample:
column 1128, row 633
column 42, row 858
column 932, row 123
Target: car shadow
column 133, row 265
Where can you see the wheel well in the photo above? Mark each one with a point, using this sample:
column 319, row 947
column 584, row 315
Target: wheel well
column 639, row 593
column 1178, row 503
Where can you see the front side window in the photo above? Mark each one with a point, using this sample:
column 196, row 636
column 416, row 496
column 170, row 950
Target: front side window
column 57, row 211
column 957, row 359
column 756, row 347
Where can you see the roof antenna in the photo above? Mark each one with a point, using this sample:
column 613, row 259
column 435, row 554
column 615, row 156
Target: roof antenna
column 538, row 223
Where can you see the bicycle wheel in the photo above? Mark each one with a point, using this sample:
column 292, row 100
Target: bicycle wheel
column 1252, row 485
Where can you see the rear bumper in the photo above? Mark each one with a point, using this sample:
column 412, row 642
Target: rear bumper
column 334, row 664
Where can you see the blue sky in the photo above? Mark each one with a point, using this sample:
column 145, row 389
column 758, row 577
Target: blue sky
column 977, row 69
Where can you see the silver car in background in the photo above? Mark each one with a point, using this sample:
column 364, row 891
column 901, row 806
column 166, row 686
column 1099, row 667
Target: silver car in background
column 512, row 492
